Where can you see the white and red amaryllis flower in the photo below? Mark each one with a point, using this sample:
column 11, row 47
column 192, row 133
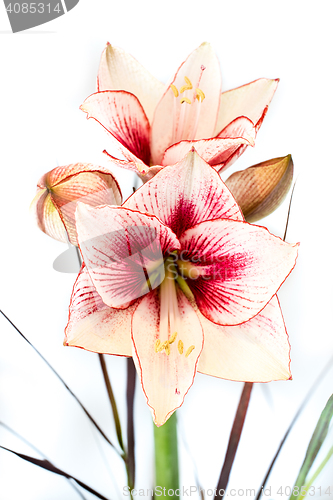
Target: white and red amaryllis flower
column 177, row 279
column 156, row 124
column 59, row 190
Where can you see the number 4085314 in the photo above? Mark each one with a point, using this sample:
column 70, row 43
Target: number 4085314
column 33, row 8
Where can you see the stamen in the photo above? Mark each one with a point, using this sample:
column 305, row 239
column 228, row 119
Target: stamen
column 180, row 347
column 172, row 338
column 174, row 90
column 157, row 345
column 189, row 350
column 200, row 94
column 185, row 99
column 188, row 85
column 166, row 347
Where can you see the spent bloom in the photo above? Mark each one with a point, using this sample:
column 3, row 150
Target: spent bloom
column 154, row 125
column 59, row 190
column 177, row 279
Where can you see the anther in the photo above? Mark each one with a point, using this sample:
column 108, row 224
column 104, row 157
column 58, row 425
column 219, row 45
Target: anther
column 172, row 338
column 189, row 350
column 157, row 345
column 188, row 85
column 185, row 99
column 180, row 347
column 174, row 90
column 200, row 94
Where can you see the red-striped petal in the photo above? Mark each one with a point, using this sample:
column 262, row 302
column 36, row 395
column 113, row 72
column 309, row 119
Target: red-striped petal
column 122, row 249
column 165, row 378
column 93, row 325
column 255, row 351
column 237, row 268
column 122, row 115
column 185, row 194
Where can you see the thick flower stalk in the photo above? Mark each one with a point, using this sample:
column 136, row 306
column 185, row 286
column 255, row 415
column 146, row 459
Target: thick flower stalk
column 59, row 190
column 177, row 279
column 154, row 125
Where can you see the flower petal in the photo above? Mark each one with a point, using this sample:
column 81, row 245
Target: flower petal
column 192, row 192
column 255, row 351
column 123, row 251
column 118, row 70
column 216, row 151
column 122, row 115
column 87, row 187
column 203, row 70
column 165, row 379
column 237, row 268
column 239, row 127
column 93, row 325
column 47, row 217
column 260, row 189
column 59, row 174
column 250, row 100
column 141, row 169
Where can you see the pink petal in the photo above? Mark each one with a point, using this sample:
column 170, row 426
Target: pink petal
column 118, row 70
column 121, row 114
column 185, row 194
column 250, row 100
column 93, row 325
column 141, row 169
column 214, row 151
column 165, row 379
column 239, row 267
column 255, row 351
column 122, row 249
column 167, row 115
column 47, row 216
column 240, row 127
column 59, row 174
column 88, row 188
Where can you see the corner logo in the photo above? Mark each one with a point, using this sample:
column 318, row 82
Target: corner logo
column 24, row 15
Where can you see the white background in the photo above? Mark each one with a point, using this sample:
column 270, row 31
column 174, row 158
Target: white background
column 46, row 73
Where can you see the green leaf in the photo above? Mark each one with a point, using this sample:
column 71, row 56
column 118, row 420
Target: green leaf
column 316, row 441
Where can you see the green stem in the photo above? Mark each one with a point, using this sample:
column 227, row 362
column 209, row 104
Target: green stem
column 166, row 457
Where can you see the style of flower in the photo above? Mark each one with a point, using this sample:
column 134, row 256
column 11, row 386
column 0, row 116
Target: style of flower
column 59, row 190
column 154, row 125
column 177, row 279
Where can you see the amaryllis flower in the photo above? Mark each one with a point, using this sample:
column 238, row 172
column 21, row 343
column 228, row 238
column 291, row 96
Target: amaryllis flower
column 59, row 190
column 177, row 279
column 156, row 124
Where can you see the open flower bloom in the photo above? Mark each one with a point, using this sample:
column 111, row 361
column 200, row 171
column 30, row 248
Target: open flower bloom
column 177, row 279
column 59, row 190
column 156, row 124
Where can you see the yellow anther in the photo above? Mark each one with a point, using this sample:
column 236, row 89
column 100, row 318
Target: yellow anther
column 200, row 94
column 157, row 345
column 167, row 349
column 189, row 350
column 189, row 83
column 174, row 90
column 185, row 99
column 172, row 338
column 180, row 347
